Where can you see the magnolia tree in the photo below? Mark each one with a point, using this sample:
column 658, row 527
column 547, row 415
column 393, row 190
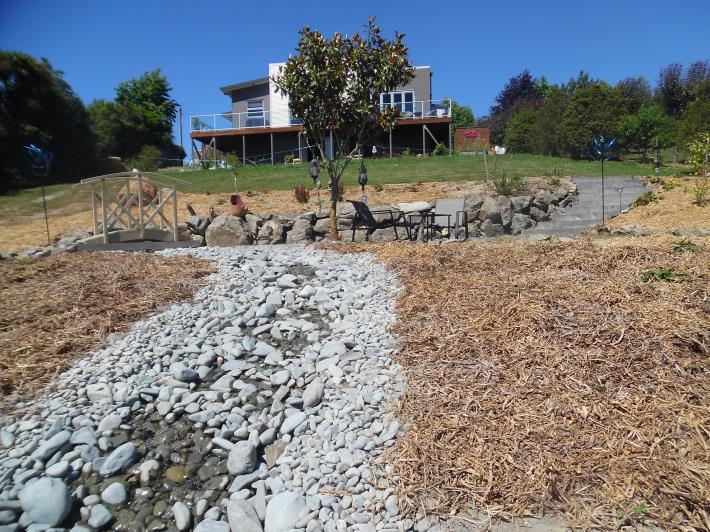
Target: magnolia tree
column 334, row 87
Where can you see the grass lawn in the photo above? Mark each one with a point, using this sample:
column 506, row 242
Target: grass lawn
column 70, row 198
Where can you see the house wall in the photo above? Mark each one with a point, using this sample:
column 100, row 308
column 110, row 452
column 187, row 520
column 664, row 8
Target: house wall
column 420, row 84
column 280, row 115
column 240, row 97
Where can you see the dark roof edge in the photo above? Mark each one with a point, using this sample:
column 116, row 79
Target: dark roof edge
column 251, row 83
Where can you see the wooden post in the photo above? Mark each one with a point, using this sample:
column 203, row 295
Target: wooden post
column 300, row 158
column 271, row 137
column 390, row 143
column 104, row 218
column 423, row 140
column 160, row 197
column 93, row 209
column 175, row 222
column 450, row 147
column 140, row 207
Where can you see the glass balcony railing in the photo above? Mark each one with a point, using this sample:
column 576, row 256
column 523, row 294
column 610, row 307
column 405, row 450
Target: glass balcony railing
column 254, row 119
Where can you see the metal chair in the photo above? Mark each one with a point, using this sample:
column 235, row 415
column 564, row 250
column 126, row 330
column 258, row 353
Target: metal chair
column 365, row 221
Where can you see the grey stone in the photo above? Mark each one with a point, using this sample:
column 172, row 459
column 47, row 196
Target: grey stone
column 227, row 230
column 242, row 458
column 99, row 393
column 538, row 215
column 280, row 377
column 472, row 205
column 302, row 231
column 282, row 511
column 491, row 229
column 242, row 516
column 57, row 470
column 313, row 394
column 210, row 525
column 521, row 204
column 122, row 457
column 47, row 501
column 292, row 422
column 271, row 232
column 51, row 446
column 543, row 199
column 110, row 422
column 490, row 211
column 184, row 374
column 519, row 223
column 505, row 206
column 114, row 493
column 183, row 518
column 99, row 517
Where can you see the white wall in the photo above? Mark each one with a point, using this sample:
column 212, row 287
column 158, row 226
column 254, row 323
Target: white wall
column 279, row 103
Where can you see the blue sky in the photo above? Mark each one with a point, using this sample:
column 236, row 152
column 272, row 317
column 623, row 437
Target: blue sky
column 473, row 47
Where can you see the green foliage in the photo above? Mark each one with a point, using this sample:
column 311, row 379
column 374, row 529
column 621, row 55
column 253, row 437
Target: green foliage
column 38, row 107
column 696, row 117
column 699, row 153
column 700, row 191
column 661, row 274
column 338, row 80
column 440, row 149
column 407, row 152
column 504, row 183
column 520, row 92
column 592, row 110
column 302, row 194
column 288, row 159
column 635, row 93
column 149, row 159
column 685, row 245
column 544, row 136
column 646, row 199
column 639, row 508
column 669, row 184
column 520, row 131
column 148, row 98
column 461, row 115
column 645, row 129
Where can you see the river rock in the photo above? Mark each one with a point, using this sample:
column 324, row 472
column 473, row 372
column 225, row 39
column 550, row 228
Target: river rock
column 242, row 516
column 47, row 501
column 282, row 512
column 122, row 457
column 242, row 458
column 313, row 394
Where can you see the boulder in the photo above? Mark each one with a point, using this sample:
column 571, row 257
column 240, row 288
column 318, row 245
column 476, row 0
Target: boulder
column 519, row 223
column 302, row 231
column 253, row 223
column 283, row 511
column 490, row 211
column 538, row 215
column 490, row 229
column 243, row 516
column 505, row 206
column 344, row 210
column 521, row 204
column 384, row 214
column 386, row 234
column 416, row 206
column 47, row 501
column 544, row 198
column 322, row 226
column 198, row 225
column 226, row 231
column 271, row 232
column 472, row 205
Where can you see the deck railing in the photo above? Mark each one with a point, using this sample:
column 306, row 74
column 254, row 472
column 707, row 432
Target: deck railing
column 252, row 119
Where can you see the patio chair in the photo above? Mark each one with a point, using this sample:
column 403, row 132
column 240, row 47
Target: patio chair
column 450, row 214
column 365, row 221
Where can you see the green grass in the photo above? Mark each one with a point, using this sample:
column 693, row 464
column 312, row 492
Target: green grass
column 404, row 170
column 71, row 198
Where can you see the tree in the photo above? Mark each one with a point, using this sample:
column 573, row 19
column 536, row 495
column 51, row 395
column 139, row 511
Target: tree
column 696, row 74
column 521, row 91
column 38, row 107
column 334, row 87
column 520, row 131
column 592, row 110
column 461, row 115
column 548, row 116
column 641, row 131
column 115, row 129
column 635, row 93
column 696, row 117
column 670, row 92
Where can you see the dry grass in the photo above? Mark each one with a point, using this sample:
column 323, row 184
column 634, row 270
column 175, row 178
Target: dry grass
column 548, row 377
column 676, row 210
column 58, row 308
column 20, row 232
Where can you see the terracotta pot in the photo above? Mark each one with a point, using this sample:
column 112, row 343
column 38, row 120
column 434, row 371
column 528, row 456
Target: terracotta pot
column 238, row 207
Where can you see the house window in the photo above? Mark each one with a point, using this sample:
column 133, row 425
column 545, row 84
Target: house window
column 255, row 113
column 403, row 101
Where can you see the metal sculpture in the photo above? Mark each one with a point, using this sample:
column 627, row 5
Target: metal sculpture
column 40, row 162
column 602, row 149
column 362, row 179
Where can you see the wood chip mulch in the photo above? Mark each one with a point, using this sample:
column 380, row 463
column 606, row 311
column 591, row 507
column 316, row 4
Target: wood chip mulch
column 549, row 378
column 58, row 308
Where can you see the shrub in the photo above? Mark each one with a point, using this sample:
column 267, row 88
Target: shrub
column 661, row 274
column 669, row 184
column 233, row 163
column 149, row 159
column 507, row 186
column 302, row 194
column 646, row 199
column 686, row 245
column 288, row 159
column 700, row 191
column 440, row 149
column 407, row 152
column 378, row 187
column 698, row 153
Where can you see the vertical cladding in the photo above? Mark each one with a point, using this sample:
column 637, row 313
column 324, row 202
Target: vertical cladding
column 279, row 103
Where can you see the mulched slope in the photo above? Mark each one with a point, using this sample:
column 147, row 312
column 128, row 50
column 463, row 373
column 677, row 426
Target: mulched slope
column 58, row 308
column 549, row 377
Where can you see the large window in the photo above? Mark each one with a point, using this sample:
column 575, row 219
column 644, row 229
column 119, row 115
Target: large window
column 401, row 100
column 255, row 113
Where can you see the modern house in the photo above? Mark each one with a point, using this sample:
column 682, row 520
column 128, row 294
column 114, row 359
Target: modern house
column 259, row 127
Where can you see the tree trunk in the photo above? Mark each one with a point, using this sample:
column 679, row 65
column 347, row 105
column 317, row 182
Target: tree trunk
column 333, row 208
